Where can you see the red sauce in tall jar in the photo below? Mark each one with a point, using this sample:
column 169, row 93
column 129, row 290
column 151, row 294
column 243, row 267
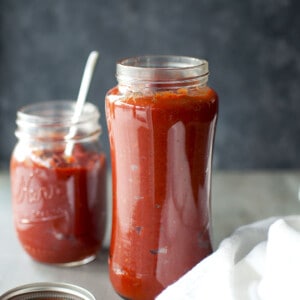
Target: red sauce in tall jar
column 161, row 136
column 59, row 201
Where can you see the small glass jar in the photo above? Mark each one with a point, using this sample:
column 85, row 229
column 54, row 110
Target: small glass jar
column 161, row 120
column 59, row 195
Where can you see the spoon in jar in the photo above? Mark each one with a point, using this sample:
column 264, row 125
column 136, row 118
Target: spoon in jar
column 83, row 91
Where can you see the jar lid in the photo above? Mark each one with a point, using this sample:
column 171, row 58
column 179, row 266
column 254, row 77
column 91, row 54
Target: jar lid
column 48, row 291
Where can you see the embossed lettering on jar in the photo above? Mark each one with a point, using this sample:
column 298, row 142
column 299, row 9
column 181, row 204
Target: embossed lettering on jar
column 59, row 200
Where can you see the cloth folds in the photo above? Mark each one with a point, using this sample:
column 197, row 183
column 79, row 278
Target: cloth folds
column 260, row 261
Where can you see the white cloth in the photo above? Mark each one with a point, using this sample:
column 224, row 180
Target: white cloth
column 260, row 261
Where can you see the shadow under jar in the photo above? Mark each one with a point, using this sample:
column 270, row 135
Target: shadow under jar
column 59, row 200
column 161, row 120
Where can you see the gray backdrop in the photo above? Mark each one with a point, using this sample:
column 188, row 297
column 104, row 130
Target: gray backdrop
column 253, row 48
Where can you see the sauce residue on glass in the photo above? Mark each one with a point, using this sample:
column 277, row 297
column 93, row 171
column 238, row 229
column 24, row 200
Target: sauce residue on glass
column 59, row 203
column 161, row 145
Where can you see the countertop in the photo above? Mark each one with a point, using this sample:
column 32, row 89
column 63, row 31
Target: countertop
column 238, row 198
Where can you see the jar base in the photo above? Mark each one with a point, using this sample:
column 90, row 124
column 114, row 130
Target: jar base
column 124, row 298
column 77, row 263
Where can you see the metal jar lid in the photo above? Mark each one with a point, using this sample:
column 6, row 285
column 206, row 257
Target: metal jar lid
column 48, row 291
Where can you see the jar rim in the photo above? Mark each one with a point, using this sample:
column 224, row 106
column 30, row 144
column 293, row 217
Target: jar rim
column 44, row 120
column 161, row 68
column 164, row 62
column 54, row 111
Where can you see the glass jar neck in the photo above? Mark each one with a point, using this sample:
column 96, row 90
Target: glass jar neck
column 161, row 72
column 52, row 122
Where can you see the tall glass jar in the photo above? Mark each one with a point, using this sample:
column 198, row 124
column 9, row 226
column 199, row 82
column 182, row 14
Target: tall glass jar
column 161, row 119
column 59, row 196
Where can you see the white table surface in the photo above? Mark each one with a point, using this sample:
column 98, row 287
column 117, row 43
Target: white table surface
column 238, row 198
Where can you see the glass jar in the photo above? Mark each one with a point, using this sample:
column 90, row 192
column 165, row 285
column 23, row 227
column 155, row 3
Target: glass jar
column 161, row 119
column 59, row 198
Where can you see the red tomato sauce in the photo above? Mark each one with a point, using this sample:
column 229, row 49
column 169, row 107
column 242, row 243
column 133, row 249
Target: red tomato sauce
column 59, row 206
column 161, row 148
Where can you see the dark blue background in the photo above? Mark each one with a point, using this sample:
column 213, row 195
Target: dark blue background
column 253, row 48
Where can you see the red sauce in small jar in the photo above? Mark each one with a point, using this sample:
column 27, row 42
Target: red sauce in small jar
column 161, row 149
column 59, row 202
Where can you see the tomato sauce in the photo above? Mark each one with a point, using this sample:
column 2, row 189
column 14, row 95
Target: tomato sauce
column 161, row 149
column 59, row 205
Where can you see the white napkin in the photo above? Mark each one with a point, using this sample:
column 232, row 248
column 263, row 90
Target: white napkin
column 260, row 261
